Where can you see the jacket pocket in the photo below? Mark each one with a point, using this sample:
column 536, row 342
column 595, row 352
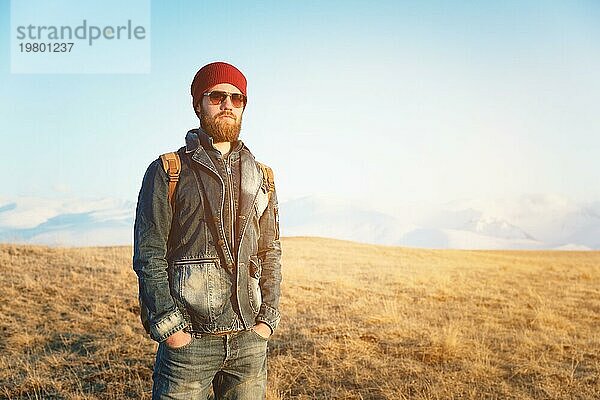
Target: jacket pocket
column 200, row 287
column 254, row 293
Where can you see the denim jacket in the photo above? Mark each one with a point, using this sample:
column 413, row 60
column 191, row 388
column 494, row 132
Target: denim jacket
column 189, row 276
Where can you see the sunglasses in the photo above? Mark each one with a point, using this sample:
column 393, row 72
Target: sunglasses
column 217, row 97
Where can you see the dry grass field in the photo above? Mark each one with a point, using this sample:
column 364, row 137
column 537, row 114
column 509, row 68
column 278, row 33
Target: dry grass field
column 359, row 322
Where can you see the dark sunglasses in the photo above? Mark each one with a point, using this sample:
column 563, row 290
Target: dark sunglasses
column 217, row 97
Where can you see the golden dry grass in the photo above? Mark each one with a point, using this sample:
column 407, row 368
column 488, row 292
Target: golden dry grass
column 359, row 322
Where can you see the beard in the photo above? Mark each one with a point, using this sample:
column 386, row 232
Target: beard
column 219, row 129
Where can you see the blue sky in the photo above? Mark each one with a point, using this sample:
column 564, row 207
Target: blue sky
column 391, row 101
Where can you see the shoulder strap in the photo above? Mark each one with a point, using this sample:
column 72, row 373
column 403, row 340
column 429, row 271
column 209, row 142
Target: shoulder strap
column 269, row 185
column 172, row 166
column 268, row 178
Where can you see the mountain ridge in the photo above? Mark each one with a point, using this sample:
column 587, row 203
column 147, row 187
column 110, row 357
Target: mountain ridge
column 534, row 222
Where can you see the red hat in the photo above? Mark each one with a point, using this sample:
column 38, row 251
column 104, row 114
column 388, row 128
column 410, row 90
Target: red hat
column 212, row 74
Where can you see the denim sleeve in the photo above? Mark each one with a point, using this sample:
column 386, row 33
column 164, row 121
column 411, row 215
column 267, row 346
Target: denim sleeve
column 153, row 217
column 269, row 252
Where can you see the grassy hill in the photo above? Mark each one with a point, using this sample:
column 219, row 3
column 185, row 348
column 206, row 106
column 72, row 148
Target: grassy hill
column 359, row 322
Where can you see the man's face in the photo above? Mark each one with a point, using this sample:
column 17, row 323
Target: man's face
column 222, row 121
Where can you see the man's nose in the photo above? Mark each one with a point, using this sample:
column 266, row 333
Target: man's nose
column 226, row 104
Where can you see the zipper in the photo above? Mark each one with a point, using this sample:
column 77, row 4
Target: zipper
column 227, row 165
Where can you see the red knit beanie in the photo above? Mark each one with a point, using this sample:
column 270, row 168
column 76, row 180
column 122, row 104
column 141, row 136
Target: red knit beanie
column 213, row 74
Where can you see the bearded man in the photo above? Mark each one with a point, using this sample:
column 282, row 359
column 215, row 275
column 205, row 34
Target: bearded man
column 208, row 255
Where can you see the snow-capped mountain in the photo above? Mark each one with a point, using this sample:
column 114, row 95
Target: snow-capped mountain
column 526, row 222
column 66, row 222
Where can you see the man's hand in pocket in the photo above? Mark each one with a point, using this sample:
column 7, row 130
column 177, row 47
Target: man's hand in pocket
column 178, row 339
column 262, row 329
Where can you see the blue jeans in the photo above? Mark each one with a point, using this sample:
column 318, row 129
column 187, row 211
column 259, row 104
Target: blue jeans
column 233, row 365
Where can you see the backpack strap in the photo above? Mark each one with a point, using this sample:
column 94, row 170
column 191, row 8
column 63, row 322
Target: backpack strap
column 269, row 186
column 268, row 178
column 172, row 166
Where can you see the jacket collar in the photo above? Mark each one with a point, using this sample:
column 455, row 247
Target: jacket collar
column 197, row 137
